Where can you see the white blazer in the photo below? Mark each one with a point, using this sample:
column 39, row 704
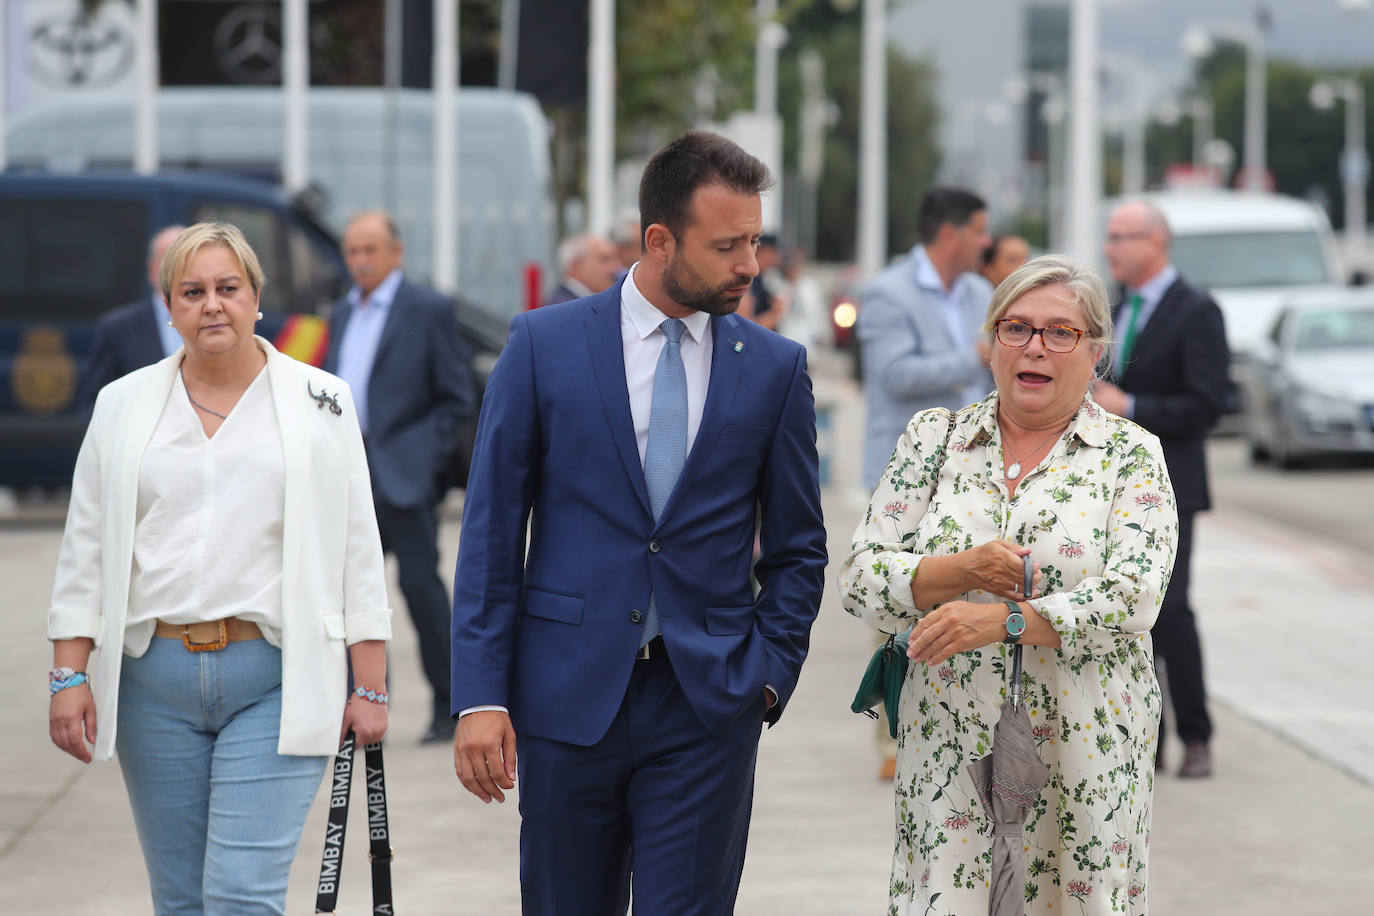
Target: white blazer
column 333, row 579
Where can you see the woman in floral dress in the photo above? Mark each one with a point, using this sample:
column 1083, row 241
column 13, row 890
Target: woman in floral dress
column 1035, row 468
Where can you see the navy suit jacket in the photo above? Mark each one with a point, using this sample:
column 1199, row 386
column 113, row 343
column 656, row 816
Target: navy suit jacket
column 126, row 339
column 551, row 633
column 418, row 396
column 1178, row 375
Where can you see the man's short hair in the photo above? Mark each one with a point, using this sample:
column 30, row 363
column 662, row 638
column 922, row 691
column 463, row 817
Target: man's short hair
column 947, row 205
column 573, row 249
column 694, row 160
column 392, row 229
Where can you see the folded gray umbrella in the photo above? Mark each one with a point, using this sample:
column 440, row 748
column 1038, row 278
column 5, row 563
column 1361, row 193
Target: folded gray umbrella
column 1008, row 780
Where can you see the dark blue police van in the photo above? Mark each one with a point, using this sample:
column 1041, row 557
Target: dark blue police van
column 75, row 246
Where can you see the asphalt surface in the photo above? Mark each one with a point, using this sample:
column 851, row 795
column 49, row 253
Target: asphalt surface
column 1285, row 826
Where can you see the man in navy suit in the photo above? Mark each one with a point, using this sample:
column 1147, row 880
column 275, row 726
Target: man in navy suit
column 397, row 345
column 1169, row 375
column 134, row 335
column 640, row 435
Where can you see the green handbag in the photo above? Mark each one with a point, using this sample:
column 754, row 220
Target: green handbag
column 882, row 683
column 886, row 671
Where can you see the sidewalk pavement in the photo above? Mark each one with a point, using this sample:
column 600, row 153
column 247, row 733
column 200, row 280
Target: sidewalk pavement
column 1286, row 825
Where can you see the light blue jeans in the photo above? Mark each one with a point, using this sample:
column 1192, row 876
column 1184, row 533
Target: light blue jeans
column 219, row 812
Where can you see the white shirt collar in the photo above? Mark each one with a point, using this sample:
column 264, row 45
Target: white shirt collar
column 382, row 295
column 1153, row 289
column 646, row 317
column 927, row 277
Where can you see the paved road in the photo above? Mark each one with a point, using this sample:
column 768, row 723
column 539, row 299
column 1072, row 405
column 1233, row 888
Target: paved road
column 1284, row 828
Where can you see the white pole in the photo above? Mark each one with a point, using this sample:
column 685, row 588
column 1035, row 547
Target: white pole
column 765, row 59
column 1202, row 130
column 295, row 77
column 1355, row 173
column 1133, row 150
column 1084, row 173
column 145, row 101
column 600, row 116
column 510, row 43
column 445, row 79
column 4, row 86
column 872, row 234
column 811, row 152
column 1254, row 110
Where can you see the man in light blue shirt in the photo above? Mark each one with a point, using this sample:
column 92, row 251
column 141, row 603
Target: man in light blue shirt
column 919, row 325
column 397, row 345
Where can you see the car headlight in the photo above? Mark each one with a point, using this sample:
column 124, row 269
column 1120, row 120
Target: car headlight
column 1325, row 413
column 845, row 314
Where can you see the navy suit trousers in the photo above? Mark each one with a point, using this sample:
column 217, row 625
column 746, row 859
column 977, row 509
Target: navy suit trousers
column 659, row 802
column 411, row 533
column 1178, row 647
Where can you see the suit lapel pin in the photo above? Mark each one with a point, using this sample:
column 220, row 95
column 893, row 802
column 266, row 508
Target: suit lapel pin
column 739, row 346
column 323, row 398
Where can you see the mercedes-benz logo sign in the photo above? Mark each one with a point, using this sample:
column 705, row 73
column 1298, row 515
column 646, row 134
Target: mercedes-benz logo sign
column 76, row 51
column 247, row 44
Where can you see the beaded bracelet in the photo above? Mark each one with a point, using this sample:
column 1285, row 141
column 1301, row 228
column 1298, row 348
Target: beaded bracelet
column 372, row 696
column 75, row 679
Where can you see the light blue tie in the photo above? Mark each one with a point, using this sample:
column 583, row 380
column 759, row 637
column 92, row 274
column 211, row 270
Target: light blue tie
column 667, row 449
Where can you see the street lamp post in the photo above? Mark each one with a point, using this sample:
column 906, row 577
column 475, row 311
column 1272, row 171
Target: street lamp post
column 1084, row 177
column 1197, row 43
column 872, row 234
column 1354, row 163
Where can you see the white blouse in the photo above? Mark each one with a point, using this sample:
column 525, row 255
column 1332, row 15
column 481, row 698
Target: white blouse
column 208, row 531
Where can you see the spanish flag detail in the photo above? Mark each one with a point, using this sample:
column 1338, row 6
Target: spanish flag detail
column 304, row 337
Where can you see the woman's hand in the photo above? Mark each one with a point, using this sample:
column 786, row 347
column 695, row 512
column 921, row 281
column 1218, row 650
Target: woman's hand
column 998, row 569
column 71, row 721
column 958, row 626
column 368, row 721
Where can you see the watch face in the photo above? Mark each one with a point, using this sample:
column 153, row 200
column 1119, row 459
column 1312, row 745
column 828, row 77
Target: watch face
column 1016, row 624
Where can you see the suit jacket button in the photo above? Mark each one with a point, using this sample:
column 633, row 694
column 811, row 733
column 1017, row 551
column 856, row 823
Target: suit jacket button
column 654, row 547
column 636, row 617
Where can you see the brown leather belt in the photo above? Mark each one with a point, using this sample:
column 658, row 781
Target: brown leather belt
column 208, row 635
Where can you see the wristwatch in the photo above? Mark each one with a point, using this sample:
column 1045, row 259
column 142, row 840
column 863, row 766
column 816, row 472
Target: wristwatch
column 1016, row 624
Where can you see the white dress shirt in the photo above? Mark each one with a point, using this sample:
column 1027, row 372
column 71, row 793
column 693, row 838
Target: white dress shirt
column 362, row 334
column 208, row 524
column 643, row 340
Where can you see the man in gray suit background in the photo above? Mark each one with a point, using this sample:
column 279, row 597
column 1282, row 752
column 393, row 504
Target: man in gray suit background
column 918, row 328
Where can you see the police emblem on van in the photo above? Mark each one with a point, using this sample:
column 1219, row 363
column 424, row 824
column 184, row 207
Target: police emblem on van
column 43, row 375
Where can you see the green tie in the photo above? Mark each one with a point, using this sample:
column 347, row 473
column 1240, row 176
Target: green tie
column 1128, row 344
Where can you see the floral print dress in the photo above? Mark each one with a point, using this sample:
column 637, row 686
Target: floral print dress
column 1098, row 514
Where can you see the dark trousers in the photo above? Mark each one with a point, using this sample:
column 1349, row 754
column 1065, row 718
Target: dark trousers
column 1177, row 646
column 412, row 534
column 659, row 801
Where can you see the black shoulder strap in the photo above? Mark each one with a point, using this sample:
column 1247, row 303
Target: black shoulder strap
column 378, row 831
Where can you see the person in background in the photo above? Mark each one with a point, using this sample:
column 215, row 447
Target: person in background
column 397, row 345
column 805, row 320
column 134, row 335
column 626, row 236
column 919, row 341
column 770, row 298
column 1034, row 469
column 588, row 263
column 1005, row 254
column 1169, row 374
column 221, row 549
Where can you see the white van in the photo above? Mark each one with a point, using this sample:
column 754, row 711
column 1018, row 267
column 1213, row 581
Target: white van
column 365, row 151
column 1251, row 250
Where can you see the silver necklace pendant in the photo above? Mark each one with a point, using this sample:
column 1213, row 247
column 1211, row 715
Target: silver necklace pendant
column 1014, row 471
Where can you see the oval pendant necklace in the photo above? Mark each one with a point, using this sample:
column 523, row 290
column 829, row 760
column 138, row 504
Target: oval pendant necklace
column 1014, row 471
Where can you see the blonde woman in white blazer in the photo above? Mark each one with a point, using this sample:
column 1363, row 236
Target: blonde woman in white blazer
column 221, row 551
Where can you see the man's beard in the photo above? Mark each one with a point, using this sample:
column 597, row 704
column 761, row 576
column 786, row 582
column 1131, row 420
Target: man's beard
column 685, row 287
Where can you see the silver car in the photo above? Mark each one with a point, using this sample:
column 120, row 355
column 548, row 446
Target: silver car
column 1309, row 389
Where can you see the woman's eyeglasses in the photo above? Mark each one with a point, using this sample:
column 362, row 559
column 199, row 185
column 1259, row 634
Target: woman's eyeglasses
column 1058, row 338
